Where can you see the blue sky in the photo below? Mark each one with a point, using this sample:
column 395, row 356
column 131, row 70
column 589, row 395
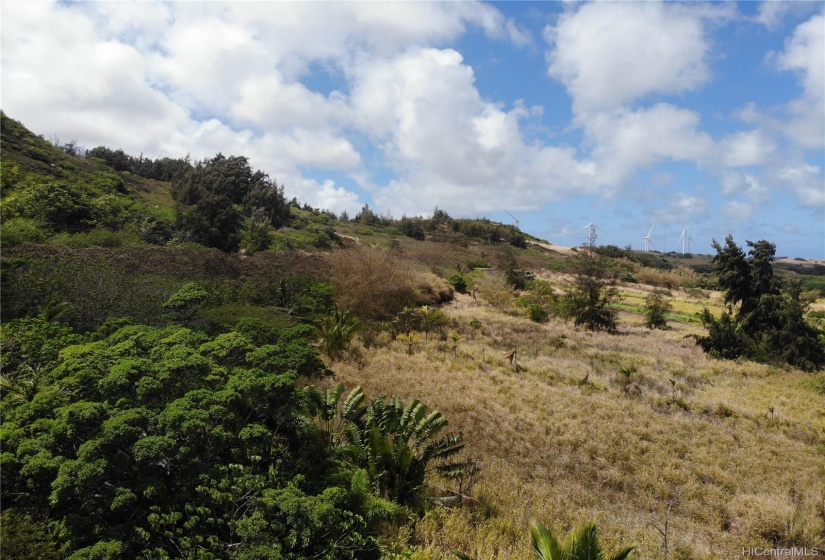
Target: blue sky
column 632, row 115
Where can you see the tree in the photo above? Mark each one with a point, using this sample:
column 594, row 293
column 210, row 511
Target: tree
column 655, row 309
column 213, row 221
column 214, row 197
column 732, row 271
column 769, row 323
column 589, row 298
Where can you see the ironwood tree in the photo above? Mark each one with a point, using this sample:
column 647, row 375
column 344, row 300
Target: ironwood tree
column 765, row 320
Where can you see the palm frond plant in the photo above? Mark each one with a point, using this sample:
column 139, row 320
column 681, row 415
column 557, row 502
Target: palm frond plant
column 337, row 331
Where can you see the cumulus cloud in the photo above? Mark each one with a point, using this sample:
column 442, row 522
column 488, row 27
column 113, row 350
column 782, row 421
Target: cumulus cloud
column 608, row 54
column 75, row 84
column 804, row 54
column 450, row 146
column 750, row 192
column 805, row 180
column 748, row 148
column 738, row 210
column 626, row 140
column 154, row 78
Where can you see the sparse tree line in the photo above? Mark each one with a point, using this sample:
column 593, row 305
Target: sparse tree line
column 765, row 320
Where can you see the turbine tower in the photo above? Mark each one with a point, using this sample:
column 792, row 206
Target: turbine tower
column 646, row 239
column 684, row 238
column 591, row 233
column 516, row 219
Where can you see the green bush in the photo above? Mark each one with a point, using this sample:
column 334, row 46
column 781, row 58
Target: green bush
column 56, row 204
column 655, row 309
column 458, row 283
column 537, row 313
column 99, row 237
column 20, row 230
column 478, row 263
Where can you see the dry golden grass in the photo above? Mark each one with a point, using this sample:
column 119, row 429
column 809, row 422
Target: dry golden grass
column 566, row 452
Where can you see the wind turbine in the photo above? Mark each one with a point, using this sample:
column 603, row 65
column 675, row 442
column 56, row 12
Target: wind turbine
column 684, row 238
column 591, row 233
column 646, row 239
column 516, row 219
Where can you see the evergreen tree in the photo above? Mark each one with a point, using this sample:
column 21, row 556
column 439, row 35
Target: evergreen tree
column 589, row 298
column 769, row 325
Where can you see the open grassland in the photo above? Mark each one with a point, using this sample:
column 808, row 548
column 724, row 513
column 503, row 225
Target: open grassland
column 736, row 448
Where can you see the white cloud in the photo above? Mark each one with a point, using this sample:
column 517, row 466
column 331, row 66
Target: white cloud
column 749, row 148
column 267, row 102
column 805, row 54
column 450, row 147
column 738, row 210
column 772, row 12
column 627, row 140
column 608, row 54
column 326, row 195
column 69, row 82
column 170, row 79
column 682, row 208
column 806, row 181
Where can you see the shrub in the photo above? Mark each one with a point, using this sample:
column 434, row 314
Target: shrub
column 658, row 278
column 494, row 288
column 336, row 331
column 537, row 313
column 56, row 204
column 20, row 230
column 478, row 263
column 376, row 284
column 458, row 283
column 655, row 309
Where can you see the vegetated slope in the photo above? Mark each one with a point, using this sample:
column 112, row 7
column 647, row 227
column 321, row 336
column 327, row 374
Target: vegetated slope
column 580, row 427
column 736, row 449
column 32, row 154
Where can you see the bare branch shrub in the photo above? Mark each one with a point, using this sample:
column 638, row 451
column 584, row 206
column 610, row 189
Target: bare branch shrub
column 375, row 284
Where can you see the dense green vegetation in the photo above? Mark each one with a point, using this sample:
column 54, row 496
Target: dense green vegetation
column 152, row 442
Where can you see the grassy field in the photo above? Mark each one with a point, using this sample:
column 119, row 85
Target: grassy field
column 735, row 448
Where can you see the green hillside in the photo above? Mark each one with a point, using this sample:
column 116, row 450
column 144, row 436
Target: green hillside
column 194, row 366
